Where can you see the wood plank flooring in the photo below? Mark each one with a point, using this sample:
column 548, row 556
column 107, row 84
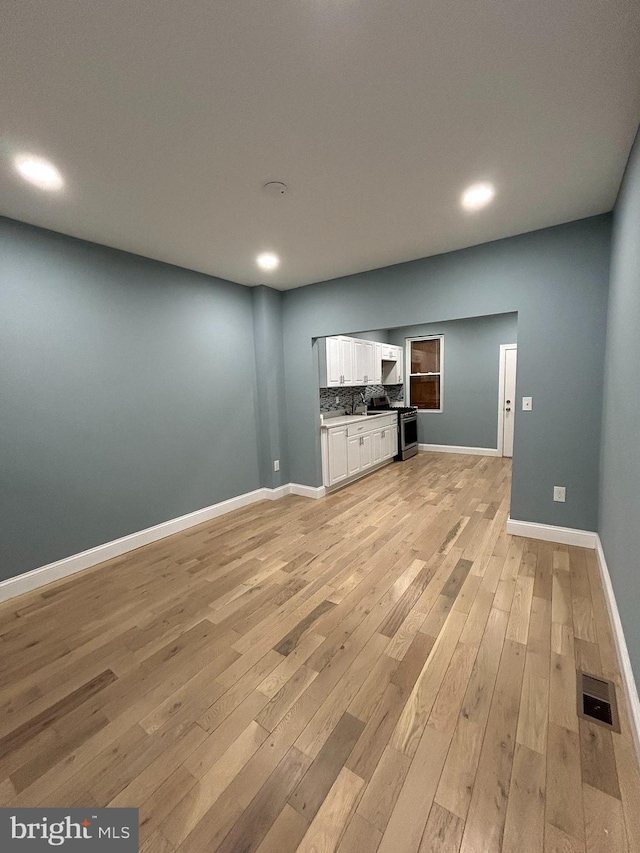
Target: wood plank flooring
column 382, row 670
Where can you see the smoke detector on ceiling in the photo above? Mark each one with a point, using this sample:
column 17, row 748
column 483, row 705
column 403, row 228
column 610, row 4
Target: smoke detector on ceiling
column 275, row 188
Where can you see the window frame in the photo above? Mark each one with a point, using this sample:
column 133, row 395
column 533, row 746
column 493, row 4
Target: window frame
column 440, row 373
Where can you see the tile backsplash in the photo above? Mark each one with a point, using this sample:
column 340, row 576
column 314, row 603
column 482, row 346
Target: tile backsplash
column 345, row 396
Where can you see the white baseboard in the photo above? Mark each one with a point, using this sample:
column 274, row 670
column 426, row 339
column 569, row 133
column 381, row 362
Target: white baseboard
column 307, row 491
column 451, row 448
column 295, row 489
column 551, row 533
column 624, row 660
column 11, row 587
column 279, row 492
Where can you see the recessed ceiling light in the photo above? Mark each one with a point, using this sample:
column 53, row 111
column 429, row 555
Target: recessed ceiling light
column 268, row 261
column 477, row 196
column 39, row 172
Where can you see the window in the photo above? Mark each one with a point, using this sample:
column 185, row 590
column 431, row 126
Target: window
column 425, row 357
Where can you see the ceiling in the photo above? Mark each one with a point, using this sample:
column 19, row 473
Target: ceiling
column 167, row 118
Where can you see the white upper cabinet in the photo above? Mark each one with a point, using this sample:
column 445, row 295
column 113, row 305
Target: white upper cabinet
column 333, row 367
column 365, row 357
column 336, row 356
column 348, row 361
column 360, row 361
column 347, row 358
column 392, row 367
column 377, row 363
column 388, row 352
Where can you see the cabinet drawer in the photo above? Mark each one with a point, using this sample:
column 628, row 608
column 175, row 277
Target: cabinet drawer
column 370, row 425
column 358, row 429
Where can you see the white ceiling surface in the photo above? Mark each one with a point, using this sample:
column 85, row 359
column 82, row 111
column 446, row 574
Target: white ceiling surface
column 166, row 119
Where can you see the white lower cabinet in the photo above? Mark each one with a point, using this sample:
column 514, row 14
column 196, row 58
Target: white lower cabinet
column 353, row 455
column 391, row 438
column 366, row 454
column 360, row 453
column 352, row 450
column 337, row 455
column 376, row 446
column 389, row 442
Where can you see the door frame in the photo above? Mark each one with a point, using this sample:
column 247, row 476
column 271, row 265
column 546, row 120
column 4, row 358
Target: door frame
column 501, row 397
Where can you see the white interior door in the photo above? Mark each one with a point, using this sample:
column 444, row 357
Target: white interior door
column 508, row 359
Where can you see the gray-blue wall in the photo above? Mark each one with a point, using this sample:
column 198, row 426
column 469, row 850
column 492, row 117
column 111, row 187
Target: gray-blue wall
column 381, row 335
column 469, row 417
column 271, row 406
column 620, row 461
column 556, row 280
column 127, row 392
column 129, row 387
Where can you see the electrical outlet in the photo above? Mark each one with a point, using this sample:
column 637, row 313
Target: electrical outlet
column 276, row 464
column 337, row 399
column 560, row 493
column 527, row 404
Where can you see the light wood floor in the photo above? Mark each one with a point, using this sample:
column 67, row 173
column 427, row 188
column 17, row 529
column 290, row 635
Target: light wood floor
column 385, row 669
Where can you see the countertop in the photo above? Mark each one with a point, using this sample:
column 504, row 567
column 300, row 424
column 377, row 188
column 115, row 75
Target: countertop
column 352, row 419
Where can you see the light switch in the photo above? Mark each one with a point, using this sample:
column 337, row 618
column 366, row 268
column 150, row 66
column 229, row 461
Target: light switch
column 527, row 404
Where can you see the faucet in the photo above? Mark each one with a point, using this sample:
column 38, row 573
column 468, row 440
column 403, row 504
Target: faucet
column 362, row 400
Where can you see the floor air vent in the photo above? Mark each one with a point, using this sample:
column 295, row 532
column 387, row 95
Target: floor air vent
column 597, row 701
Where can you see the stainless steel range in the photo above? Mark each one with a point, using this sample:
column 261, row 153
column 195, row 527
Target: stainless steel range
column 407, row 425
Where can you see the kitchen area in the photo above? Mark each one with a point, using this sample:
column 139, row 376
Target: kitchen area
column 386, row 394
column 364, row 421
